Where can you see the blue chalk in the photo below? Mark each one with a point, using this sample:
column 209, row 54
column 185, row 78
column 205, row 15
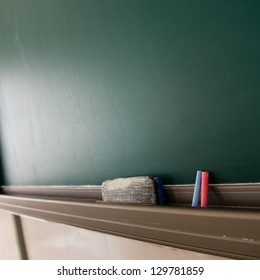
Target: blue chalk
column 160, row 189
column 196, row 193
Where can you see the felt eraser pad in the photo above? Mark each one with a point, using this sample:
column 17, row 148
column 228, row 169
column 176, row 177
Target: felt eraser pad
column 131, row 190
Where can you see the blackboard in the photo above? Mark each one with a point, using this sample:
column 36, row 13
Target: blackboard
column 99, row 89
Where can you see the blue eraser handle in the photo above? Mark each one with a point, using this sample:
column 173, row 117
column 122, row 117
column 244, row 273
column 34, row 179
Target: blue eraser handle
column 160, row 190
column 196, row 193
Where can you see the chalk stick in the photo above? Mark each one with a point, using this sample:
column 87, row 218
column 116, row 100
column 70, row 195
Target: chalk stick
column 196, row 193
column 204, row 189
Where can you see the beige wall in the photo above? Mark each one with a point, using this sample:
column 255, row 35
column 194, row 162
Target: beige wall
column 48, row 240
column 9, row 248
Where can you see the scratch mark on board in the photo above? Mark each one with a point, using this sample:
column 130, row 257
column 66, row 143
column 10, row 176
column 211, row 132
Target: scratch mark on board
column 18, row 44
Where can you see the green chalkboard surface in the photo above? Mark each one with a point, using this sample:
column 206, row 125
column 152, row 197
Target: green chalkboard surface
column 98, row 89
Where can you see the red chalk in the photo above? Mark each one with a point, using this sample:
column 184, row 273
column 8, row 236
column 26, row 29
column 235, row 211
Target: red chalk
column 204, row 189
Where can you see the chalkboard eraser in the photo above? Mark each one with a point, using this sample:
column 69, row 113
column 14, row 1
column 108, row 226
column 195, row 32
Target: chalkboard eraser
column 131, row 190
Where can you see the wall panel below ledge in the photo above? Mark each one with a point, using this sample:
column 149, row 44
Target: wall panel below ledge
column 9, row 244
column 48, row 240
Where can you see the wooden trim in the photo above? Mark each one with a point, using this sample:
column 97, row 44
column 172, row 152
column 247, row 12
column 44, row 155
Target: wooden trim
column 86, row 192
column 220, row 195
column 232, row 233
